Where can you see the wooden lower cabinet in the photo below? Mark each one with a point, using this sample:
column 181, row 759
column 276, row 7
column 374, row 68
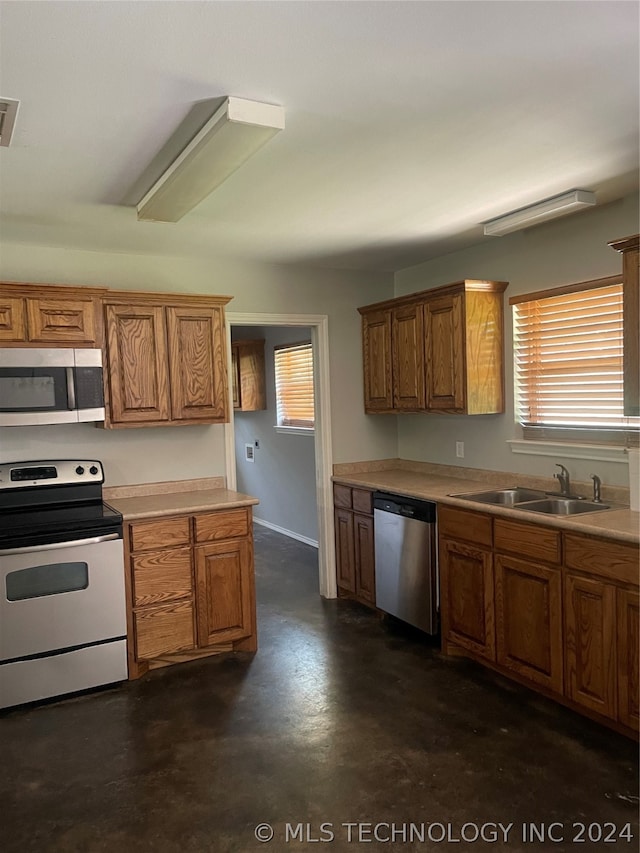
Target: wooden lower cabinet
column 466, row 596
column 528, row 599
column 190, row 587
column 355, row 555
column 590, row 643
column 628, row 613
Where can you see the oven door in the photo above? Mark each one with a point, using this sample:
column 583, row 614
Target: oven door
column 64, row 596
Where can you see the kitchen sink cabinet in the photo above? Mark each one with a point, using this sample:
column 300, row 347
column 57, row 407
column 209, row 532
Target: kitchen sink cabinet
column 166, row 360
column 248, row 376
column 355, row 560
column 439, row 350
column 630, row 248
column 190, row 587
column 50, row 315
column 565, row 608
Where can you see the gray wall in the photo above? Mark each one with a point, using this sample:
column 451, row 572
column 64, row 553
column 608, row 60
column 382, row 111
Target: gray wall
column 283, row 475
column 166, row 453
column 567, row 250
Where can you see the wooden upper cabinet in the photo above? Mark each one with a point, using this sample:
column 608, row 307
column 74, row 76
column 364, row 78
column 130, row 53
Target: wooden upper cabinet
column 197, row 364
column 166, row 362
column 50, row 315
column 248, row 375
column 407, row 326
column 630, row 248
column 377, row 355
column 439, row 350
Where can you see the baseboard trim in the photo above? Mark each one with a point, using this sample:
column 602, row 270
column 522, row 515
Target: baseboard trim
column 285, row 532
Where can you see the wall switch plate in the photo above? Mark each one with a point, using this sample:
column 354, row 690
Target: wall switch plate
column 460, row 449
column 248, row 453
column 256, row 444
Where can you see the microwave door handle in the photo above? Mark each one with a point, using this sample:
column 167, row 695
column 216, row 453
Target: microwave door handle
column 76, row 543
column 71, row 389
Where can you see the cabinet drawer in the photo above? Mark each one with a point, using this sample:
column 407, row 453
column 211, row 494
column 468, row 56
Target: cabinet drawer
column 160, row 576
column 602, row 557
column 342, row 496
column 13, row 325
column 222, row 525
column 164, row 629
column 461, row 524
column 362, row 500
column 527, row 540
column 160, row 533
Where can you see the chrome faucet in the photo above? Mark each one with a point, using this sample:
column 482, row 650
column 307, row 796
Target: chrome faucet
column 562, row 477
column 596, row 488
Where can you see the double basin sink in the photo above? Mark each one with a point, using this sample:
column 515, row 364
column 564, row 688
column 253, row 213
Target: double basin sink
column 534, row 501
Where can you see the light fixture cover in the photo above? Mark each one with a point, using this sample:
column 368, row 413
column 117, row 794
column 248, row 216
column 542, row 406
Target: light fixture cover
column 550, row 208
column 234, row 132
column 8, row 113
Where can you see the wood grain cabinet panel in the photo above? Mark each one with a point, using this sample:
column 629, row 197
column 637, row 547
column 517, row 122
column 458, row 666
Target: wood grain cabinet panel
column 445, row 353
column 66, row 321
column 160, row 533
column 345, row 550
column 137, row 365
column 467, row 597
column 225, row 524
column 590, row 644
column 408, row 357
column 628, row 612
column 197, row 364
column 377, row 361
column 364, row 558
column 159, row 576
column 528, row 540
column 615, row 561
column 13, row 322
column 355, row 548
column 248, row 375
column 224, row 592
column 528, row 600
column 467, row 525
column 164, row 629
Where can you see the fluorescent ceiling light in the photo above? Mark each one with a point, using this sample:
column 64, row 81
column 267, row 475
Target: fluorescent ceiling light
column 550, row 208
column 233, row 133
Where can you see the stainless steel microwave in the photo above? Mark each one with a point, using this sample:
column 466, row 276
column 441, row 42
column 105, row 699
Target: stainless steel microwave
column 50, row 386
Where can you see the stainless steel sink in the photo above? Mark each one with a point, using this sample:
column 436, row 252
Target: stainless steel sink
column 503, row 497
column 562, row 506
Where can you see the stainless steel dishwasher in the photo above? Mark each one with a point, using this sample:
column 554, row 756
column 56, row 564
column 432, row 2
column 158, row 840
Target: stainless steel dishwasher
column 406, row 562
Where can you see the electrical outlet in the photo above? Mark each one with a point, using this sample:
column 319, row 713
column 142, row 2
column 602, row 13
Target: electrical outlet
column 248, row 453
column 460, row 449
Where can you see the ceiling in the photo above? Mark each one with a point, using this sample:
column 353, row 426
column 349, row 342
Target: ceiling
column 407, row 123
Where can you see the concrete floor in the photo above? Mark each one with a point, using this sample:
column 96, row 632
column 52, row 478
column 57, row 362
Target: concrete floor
column 339, row 719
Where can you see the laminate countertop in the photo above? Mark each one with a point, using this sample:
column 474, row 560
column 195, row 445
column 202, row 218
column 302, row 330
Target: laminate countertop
column 178, row 503
column 618, row 523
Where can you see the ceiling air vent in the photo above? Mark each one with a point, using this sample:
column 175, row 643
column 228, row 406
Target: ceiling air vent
column 8, row 113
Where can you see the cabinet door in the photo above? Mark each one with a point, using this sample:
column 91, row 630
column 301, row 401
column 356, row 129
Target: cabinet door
column 529, row 620
column 590, row 644
column 407, row 336
column 364, row 558
column 225, row 597
column 197, row 364
column 628, row 607
column 466, row 593
column 444, row 353
column 345, row 550
column 376, row 347
column 137, row 364
column 13, row 324
column 250, row 376
column 70, row 321
column 235, row 378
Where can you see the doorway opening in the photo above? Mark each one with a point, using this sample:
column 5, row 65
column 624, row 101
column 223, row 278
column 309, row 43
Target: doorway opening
column 318, row 325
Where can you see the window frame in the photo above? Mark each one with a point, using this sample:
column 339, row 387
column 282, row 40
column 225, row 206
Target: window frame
column 624, row 436
column 295, row 426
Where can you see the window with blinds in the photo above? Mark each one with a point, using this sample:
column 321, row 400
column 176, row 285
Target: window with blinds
column 294, row 385
column 568, row 363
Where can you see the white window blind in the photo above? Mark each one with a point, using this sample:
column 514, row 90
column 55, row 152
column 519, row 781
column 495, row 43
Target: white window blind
column 568, row 359
column 294, row 385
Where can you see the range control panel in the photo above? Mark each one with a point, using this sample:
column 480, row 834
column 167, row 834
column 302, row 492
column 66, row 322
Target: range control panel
column 50, row 472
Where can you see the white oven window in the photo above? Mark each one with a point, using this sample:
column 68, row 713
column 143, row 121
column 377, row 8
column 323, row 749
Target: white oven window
column 52, row 579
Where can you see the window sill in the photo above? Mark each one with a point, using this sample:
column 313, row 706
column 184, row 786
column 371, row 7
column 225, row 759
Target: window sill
column 594, row 452
column 288, row 430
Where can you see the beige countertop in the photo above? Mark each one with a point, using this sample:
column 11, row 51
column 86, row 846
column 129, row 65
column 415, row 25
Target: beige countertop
column 620, row 524
column 178, row 503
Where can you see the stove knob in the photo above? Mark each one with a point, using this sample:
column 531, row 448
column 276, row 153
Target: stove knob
column 93, row 470
column 79, row 470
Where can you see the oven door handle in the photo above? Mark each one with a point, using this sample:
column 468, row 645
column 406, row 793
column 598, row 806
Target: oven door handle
column 76, row 543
